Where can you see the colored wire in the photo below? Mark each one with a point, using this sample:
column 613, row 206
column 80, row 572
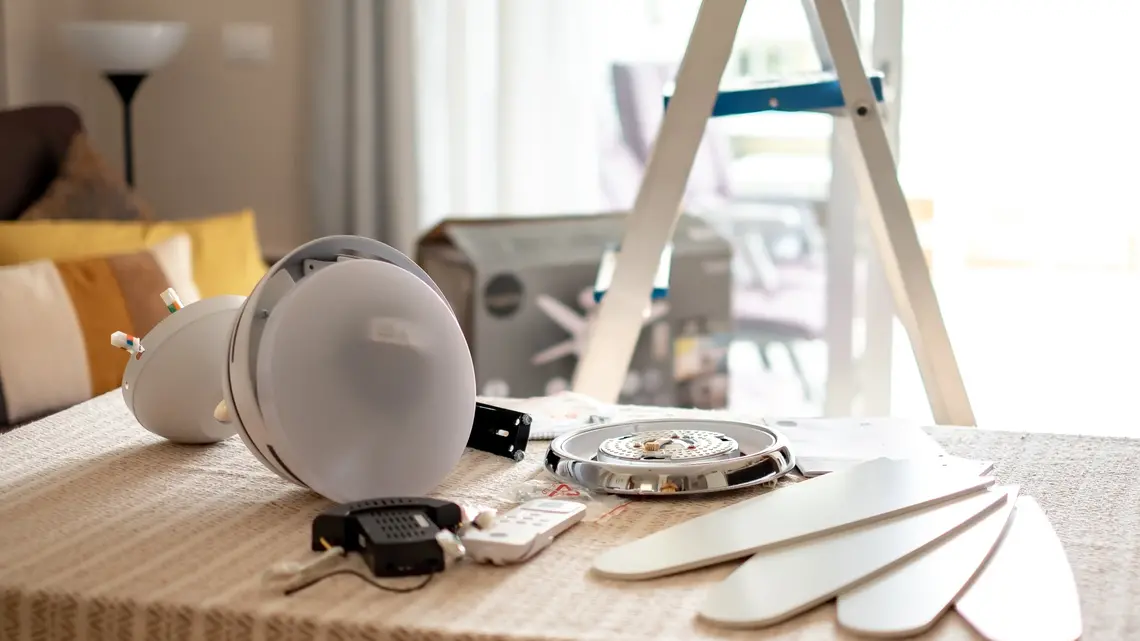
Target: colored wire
column 171, row 300
column 387, row 588
column 125, row 341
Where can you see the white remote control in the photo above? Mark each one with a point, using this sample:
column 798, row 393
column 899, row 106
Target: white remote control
column 522, row 532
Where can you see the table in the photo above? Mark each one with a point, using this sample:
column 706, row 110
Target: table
column 108, row 532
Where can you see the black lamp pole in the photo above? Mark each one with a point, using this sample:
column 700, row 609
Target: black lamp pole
column 126, row 85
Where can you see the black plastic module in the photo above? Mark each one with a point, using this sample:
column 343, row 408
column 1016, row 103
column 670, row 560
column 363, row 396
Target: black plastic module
column 500, row 431
column 395, row 536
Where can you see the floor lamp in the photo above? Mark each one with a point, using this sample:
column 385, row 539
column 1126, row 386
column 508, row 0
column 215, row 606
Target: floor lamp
column 126, row 53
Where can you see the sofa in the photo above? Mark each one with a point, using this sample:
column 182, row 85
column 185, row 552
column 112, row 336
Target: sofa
column 82, row 256
column 36, row 140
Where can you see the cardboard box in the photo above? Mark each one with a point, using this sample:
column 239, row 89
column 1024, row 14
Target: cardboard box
column 522, row 289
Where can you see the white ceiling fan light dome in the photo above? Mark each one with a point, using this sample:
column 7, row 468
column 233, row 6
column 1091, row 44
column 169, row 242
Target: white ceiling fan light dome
column 348, row 373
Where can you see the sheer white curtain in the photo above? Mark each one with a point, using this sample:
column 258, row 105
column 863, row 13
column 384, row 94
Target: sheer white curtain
column 432, row 108
column 509, row 93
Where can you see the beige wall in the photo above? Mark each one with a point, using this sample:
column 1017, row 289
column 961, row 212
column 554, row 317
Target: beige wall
column 36, row 68
column 210, row 135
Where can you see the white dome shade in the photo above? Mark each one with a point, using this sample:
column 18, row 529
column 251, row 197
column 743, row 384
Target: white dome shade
column 351, row 375
column 124, row 47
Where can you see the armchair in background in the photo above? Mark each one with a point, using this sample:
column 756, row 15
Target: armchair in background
column 780, row 279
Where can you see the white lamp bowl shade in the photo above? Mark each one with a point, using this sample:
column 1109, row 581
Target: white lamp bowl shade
column 173, row 386
column 349, row 374
column 125, row 47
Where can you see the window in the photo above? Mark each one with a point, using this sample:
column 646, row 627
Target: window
column 1025, row 146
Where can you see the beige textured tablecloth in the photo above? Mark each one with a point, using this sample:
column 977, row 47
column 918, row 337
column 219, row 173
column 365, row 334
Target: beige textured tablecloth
column 107, row 532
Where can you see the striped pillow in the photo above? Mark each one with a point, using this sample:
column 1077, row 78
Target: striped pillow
column 58, row 316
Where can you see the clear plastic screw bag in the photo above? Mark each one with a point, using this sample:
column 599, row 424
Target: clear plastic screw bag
column 599, row 505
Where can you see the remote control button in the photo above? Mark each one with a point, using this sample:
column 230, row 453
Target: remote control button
column 561, row 507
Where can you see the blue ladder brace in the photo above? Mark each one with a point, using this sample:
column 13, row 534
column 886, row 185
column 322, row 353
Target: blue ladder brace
column 817, row 92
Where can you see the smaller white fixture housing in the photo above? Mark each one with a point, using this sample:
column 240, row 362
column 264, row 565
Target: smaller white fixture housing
column 174, row 383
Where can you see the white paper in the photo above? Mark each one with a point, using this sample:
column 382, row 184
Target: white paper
column 823, row 445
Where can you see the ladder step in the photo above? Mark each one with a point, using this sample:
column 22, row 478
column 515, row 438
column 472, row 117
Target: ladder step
column 816, row 92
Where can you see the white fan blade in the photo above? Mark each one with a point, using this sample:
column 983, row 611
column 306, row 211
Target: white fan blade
column 910, row 599
column 1026, row 591
column 870, row 491
column 776, row 585
column 554, row 352
column 561, row 314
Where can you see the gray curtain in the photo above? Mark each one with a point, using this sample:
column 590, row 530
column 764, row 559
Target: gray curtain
column 362, row 165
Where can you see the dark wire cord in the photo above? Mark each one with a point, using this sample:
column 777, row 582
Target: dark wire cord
column 387, row 588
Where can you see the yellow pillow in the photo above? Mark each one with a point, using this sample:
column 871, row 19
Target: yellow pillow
column 226, row 251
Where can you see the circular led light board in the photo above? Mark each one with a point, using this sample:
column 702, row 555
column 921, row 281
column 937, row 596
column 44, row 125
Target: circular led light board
column 670, row 456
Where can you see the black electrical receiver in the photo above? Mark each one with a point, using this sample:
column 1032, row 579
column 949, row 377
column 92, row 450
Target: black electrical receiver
column 500, row 431
column 395, row 536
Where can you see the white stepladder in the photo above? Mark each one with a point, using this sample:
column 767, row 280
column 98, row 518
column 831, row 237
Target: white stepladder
column 845, row 90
